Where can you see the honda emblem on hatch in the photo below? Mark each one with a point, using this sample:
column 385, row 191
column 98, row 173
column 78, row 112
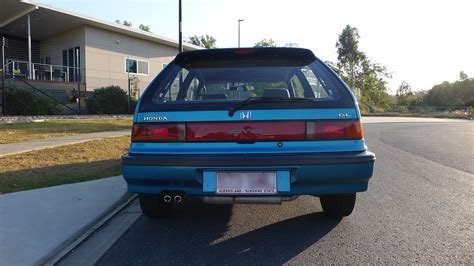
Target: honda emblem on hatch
column 245, row 115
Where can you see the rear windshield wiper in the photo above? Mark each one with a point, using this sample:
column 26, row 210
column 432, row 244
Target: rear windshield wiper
column 251, row 100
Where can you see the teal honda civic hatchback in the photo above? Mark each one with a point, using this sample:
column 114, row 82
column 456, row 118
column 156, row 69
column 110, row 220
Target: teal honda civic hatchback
column 247, row 125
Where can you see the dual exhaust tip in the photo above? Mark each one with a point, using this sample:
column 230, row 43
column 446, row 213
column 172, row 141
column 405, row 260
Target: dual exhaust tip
column 176, row 199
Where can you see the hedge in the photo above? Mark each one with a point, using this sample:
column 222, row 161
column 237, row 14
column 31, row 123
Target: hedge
column 21, row 101
column 108, row 100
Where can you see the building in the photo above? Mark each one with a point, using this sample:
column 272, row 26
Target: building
column 47, row 45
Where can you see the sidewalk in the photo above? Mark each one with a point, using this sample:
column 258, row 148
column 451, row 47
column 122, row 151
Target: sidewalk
column 34, row 223
column 397, row 119
column 26, row 146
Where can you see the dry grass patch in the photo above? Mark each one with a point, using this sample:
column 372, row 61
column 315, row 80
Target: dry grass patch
column 10, row 133
column 62, row 165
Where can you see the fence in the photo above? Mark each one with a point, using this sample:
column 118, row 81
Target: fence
column 40, row 71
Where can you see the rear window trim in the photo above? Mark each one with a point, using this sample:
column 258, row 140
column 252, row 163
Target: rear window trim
column 224, row 106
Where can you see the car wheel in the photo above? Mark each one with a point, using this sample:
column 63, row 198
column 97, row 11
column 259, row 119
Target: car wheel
column 152, row 206
column 338, row 205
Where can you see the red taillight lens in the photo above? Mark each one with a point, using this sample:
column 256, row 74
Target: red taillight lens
column 159, row 132
column 334, row 130
column 250, row 131
column 246, row 131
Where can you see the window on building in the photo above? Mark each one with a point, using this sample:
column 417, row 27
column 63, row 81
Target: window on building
column 135, row 66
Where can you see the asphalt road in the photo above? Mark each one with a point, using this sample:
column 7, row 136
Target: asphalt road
column 419, row 209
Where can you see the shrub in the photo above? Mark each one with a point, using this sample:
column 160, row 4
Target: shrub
column 108, row 100
column 365, row 109
column 21, row 101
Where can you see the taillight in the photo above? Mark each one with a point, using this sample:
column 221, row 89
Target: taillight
column 249, row 131
column 159, row 132
column 334, row 130
column 246, row 131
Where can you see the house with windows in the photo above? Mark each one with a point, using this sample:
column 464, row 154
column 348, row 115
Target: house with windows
column 58, row 49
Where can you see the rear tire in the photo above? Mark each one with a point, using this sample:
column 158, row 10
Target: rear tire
column 153, row 206
column 338, row 205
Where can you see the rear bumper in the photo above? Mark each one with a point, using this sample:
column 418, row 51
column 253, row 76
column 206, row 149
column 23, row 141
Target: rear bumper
column 249, row 159
column 308, row 173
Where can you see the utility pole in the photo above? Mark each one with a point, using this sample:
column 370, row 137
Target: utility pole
column 4, row 43
column 180, row 29
column 180, row 48
column 238, row 21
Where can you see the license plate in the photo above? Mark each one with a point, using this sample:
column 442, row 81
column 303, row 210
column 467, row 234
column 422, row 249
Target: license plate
column 250, row 183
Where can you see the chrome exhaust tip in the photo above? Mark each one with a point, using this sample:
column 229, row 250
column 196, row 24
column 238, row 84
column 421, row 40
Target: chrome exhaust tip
column 167, row 198
column 178, row 198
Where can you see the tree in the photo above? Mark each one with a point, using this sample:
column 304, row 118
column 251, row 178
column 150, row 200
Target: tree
column 129, row 24
column 125, row 23
column 348, row 55
column 458, row 93
column 203, row 41
column 463, row 76
column 361, row 74
column 371, row 81
column 265, row 43
column 144, row 28
column 404, row 94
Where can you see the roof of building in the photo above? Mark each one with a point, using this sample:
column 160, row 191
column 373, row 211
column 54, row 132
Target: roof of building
column 47, row 21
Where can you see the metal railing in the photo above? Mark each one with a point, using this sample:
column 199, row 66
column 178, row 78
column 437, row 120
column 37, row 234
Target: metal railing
column 42, row 71
column 44, row 94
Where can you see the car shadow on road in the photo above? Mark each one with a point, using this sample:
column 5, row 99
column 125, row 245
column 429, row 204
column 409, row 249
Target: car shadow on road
column 275, row 243
column 196, row 234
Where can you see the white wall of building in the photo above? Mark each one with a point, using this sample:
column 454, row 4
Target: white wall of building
column 105, row 54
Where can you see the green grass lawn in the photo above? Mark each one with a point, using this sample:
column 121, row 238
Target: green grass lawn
column 11, row 133
column 62, row 165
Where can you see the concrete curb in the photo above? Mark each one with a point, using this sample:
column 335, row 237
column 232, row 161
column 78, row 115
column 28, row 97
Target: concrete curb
column 43, row 221
column 67, row 246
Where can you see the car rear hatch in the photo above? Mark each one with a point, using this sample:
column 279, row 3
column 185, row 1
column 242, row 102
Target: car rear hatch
column 247, row 101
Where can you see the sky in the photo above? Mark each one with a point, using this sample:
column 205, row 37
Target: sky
column 421, row 42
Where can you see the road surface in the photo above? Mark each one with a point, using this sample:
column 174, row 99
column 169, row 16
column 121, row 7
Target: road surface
column 419, row 209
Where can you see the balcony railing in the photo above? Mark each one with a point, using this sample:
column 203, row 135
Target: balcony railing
column 41, row 71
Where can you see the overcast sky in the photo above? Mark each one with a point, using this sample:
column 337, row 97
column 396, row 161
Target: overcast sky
column 421, row 42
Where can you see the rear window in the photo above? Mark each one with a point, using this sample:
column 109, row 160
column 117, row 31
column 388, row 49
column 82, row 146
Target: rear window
column 219, row 84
